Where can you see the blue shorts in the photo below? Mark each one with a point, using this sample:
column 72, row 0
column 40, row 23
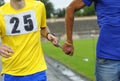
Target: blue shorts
column 40, row 76
column 107, row 70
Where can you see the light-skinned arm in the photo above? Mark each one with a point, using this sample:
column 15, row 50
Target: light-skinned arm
column 45, row 32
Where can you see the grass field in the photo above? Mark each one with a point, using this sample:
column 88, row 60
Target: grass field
column 84, row 49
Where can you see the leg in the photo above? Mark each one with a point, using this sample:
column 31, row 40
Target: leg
column 107, row 70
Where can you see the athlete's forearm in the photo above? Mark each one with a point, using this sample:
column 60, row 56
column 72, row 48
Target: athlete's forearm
column 69, row 17
column 45, row 31
column 50, row 36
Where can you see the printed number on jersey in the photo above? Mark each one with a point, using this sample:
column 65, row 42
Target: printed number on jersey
column 21, row 23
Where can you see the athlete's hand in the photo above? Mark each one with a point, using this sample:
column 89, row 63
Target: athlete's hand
column 68, row 49
column 53, row 39
column 6, row 51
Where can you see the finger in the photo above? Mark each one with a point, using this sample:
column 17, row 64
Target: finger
column 8, row 49
column 71, row 54
column 59, row 45
column 5, row 54
column 56, row 42
column 67, row 52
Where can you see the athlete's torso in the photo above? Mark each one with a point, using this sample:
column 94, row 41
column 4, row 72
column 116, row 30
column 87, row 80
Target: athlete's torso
column 20, row 29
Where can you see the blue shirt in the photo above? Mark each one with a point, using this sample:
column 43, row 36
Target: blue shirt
column 108, row 14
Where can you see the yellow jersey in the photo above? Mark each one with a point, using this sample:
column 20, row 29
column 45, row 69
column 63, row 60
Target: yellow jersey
column 20, row 30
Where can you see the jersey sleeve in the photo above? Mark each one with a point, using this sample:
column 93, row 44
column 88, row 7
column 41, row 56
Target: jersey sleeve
column 43, row 19
column 88, row 2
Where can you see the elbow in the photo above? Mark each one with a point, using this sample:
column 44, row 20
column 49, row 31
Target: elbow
column 69, row 12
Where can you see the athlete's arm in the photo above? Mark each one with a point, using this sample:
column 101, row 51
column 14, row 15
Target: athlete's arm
column 45, row 32
column 69, row 17
column 74, row 6
column 6, row 51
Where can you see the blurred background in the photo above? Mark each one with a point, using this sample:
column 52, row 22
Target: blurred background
column 85, row 34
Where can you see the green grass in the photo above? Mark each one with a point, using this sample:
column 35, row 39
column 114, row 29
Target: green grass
column 84, row 48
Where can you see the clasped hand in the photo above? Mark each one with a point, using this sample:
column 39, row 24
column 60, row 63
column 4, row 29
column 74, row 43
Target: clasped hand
column 68, row 49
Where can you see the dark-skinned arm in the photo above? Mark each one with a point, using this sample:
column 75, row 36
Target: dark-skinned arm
column 74, row 6
column 69, row 17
